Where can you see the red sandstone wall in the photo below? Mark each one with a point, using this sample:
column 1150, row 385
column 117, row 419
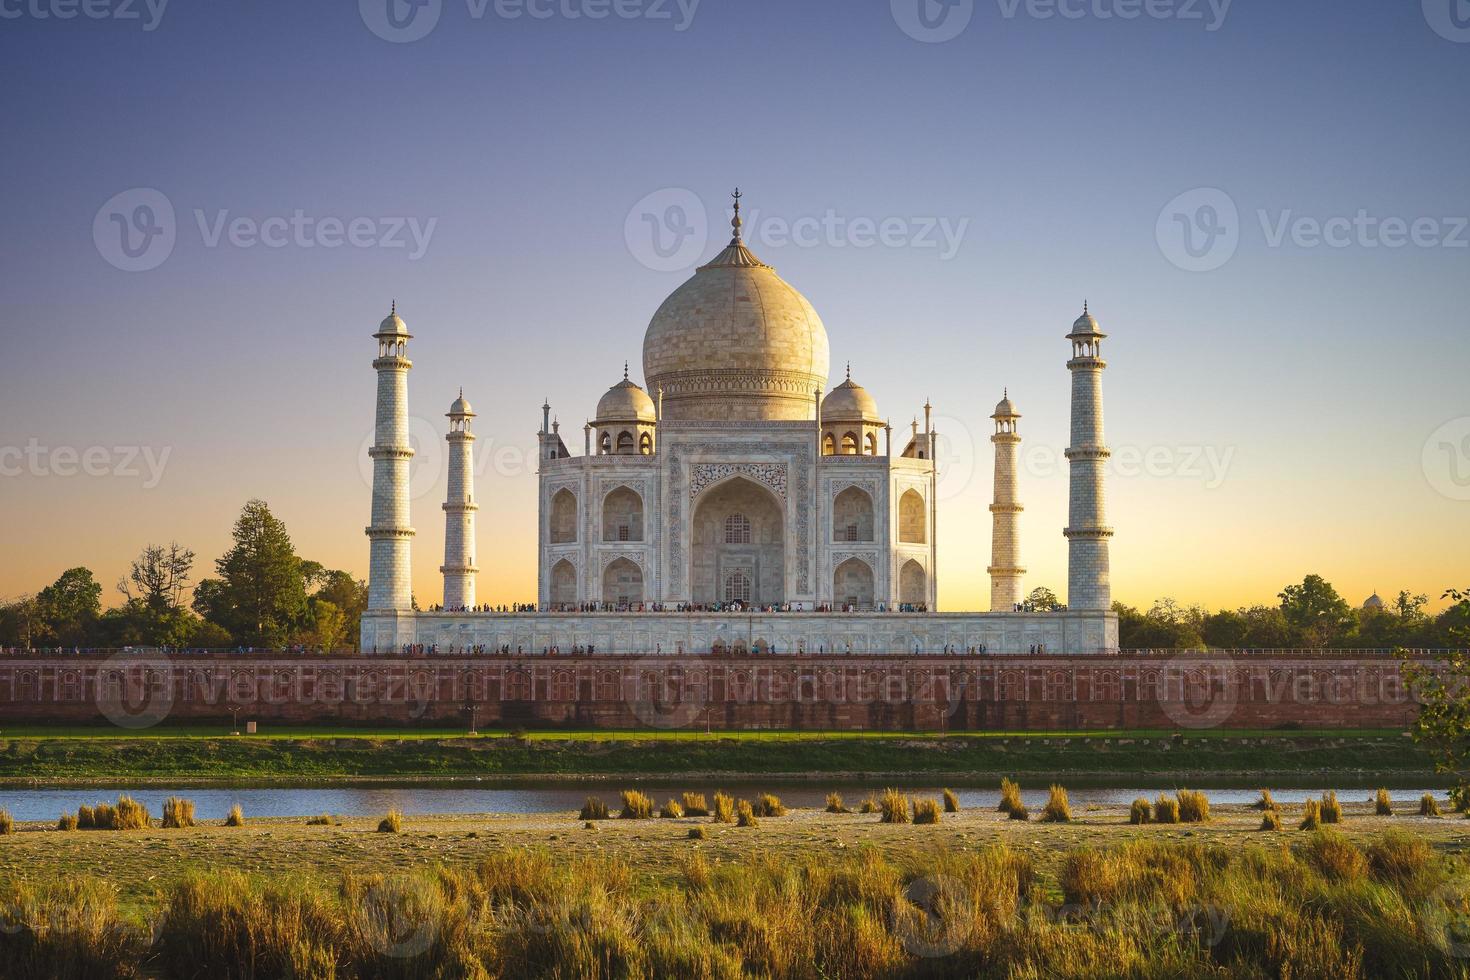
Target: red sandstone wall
column 881, row 693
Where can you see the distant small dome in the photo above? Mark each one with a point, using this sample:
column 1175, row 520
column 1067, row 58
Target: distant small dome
column 1006, row 409
column 461, row 407
column 393, row 325
column 1373, row 602
column 626, row 402
column 1086, row 325
column 850, row 402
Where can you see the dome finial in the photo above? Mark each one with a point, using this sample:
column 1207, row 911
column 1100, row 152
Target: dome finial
column 1084, row 307
column 461, row 391
column 625, row 370
column 735, row 222
column 393, row 309
column 849, row 370
column 1005, row 392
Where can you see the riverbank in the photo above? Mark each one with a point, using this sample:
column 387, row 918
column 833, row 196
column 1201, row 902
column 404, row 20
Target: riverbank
column 976, row 894
column 92, row 757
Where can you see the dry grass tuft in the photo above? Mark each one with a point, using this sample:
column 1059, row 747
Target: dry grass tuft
column 391, row 824
column 694, row 805
column 1399, row 858
column 1166, row 809
column 745, row 815
column 1194, row 806
column 593, row 809
column 1138, row 813
column 636, row 806
column 769, row 805
column 893, row 807
column 724, row 811
column 1382, row 803
column 1311, row 816
column 178, row 813
column 236, row 817
column 1428, row 806
column 951, row 802
column 321, row 820
column 68, row 821
column 1271, row 820
column 869, row 804
column 7, row 824
column 86, row 818
column 835, row 804
column 1336, row 857
column 1266, row 801
column 698, row 832
column 1331, row 809
column 671, row 810
column 1019, row 813
column 1010, row 796
column 926, row 811
column 128, row 814
column 1057, row 809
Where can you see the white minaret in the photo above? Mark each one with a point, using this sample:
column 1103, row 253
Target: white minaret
column 1089, row 583
column 459, row 510
column 390, row 577
column 1005, row 538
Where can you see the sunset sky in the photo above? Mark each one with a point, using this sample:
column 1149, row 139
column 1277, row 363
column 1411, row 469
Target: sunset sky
column 1287, row 386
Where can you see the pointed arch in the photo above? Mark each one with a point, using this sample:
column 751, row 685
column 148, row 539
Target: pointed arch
column 563, row 584
column 912, row 520
column 563, row 523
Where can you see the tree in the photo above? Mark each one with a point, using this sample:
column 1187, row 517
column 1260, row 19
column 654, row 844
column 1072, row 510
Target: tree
column 349, row 595
column 1043, row 599
column 1443, row 692
column 1315, row 612
column 261, row 597
column 1226, row 630
column 68, row 608
column 159, row 577
column 20, row 622
column 328, row 630
column 1410, row 607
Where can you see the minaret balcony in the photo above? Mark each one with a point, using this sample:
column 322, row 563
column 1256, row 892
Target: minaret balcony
column 392, row 361
column 389, row 532
column 1078, row 363
column 1006, row 508
column 1088, row 452
column 391, row 452
column 1087, row 532
column 460, row 508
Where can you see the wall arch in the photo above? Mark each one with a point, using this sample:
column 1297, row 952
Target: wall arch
column 563, row 584
column 622, row 583
column 622, row 515
column 913, row 522
column 563, row 517
column 852, row 584
column 913, row 583
column 759, row 553
column 852, row 515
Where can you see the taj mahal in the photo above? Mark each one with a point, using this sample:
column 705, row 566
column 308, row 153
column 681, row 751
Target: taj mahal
column 734, row 504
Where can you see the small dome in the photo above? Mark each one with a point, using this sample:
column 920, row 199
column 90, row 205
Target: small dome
column 1006, row 409
column 850, row 402
column 461, row 407
column 393, row 325
column 1086, row 325
column 626, row 402
column 1373, row 602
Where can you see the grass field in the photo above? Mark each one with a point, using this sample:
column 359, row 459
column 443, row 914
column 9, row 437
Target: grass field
column 805, row 894
column 32, row 755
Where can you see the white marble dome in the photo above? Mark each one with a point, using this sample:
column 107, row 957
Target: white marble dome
column 736, row 342
column 850, row 402
column 625, row 402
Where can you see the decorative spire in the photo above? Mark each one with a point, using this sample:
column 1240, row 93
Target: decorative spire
column 849, row 370
column 461, row 391
column 393, row 310
column 1084, row 307
column 625, row 370
column 1006, row 392
column 735, row 222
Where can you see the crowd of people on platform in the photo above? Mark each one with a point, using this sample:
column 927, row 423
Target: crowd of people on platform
column 693, row 607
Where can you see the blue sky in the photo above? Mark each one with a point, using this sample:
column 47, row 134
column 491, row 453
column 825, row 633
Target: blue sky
column 1320, row 378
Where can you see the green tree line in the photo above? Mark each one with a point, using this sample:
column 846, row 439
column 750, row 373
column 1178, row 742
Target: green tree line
column 262, row 594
